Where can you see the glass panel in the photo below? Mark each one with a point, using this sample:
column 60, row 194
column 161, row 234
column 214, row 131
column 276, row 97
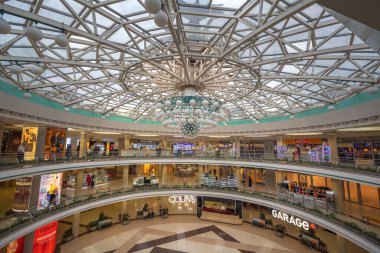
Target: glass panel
column 353, row 192
column 370, row 195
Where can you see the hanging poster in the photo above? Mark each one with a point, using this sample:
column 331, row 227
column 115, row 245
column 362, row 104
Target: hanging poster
column 16, row 246
column 29, row 137
column 55, row 143
column 50, row 190
column 45, row 238
column 22, row 193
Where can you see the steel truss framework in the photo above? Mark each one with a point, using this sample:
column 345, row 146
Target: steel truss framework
column 260, row 57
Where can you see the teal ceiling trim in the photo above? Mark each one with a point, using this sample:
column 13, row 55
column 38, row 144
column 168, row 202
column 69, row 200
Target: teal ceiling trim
column 351, row 101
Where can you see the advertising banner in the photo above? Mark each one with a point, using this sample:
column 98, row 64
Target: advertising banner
column 55, row 143
column 29, row 137
column 22, row 193
column 16, row 246
column 50, row 190
column 44, row 238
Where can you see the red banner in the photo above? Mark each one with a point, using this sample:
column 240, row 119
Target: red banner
column 44, row 238
column 16, row 246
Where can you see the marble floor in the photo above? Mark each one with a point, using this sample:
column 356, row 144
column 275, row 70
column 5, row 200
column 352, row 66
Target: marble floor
column 182, row 233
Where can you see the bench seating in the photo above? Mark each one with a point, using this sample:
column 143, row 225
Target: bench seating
column 223, row 218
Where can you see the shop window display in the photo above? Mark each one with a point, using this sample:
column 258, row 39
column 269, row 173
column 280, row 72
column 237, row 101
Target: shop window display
column 214, row 181
column 139, row 181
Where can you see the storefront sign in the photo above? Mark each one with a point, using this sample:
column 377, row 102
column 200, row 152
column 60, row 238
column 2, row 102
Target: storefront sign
column 290, row 219
column 16, row 246
column 44, row 238
column 175, row 199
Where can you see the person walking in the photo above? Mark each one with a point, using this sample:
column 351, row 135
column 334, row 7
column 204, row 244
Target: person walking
column 21, row 152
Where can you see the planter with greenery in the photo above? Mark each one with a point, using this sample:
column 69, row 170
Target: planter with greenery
column 68, row 235
column 125, row 218
column 280, row 230
column 92, row 226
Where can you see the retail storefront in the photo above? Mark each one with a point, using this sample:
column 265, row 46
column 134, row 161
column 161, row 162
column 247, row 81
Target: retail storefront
column 359, row 150
column 309, row 149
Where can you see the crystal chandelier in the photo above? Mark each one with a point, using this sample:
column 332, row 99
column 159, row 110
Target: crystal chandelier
column 190, row 113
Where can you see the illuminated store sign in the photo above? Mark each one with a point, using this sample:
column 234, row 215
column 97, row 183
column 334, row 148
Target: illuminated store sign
column 174, row 199
column 290, row 219
column 45, row 238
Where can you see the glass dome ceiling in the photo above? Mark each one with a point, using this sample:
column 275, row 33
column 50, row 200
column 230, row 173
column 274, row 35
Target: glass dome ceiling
column 259, row 57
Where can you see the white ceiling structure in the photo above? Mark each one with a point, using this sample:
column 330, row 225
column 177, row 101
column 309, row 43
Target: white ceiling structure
column 259, row 57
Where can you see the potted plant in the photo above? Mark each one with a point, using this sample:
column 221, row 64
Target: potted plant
column 68, row 235
column 268, row 224
column 125, row 219
column 165, row 212
column 104, row 221
column 280, row 230
column 92, row 226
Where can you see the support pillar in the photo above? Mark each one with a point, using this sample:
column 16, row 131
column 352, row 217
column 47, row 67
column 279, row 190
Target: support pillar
column 200, row 174
column 76, row 223
column 33, row 201
column 331, row 138
column 40, row 143
column 83, row 144
column 341, row 243
column 269, row 149
column 1, row 135
column 127, row 142
column 336, row 186
column 238, row 177
column 126, row 176
column 164, row 174
column 79, row 182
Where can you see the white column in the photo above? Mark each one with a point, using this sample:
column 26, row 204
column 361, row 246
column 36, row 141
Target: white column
column 76, row 223
column 341, row 244
column 238, row 176
column 336, row 186
column 164, row 174
column 83, row 144
column 1, row 134
column 40, row 143
column 333, row 147
column 140, row 169
column 126, row 176
column 79, row 182
column 269, row 149
column 127, row 142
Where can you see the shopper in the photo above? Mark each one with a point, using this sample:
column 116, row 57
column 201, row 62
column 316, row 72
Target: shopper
column 21, row 152
column 88, row 180
column 249, row 181
column 92, row 180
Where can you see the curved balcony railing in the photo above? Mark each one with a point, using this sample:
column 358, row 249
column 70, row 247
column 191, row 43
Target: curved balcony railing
column 11, row 224
column 366, row 166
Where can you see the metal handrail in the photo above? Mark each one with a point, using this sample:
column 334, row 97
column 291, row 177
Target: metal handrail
column 366, row 166
column 16, row 221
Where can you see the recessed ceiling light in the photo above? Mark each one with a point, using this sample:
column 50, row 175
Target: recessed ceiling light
column 18, row 125
column 257, row 135
column 359, row 129
column 295, row 134
column 219, row 136
column 146, row 135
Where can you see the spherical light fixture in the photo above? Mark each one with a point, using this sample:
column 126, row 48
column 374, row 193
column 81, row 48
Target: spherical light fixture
column 36, row 70
column 356, row 88
column 158, row 105
column 15, row 69
column 339, row 86
column 192, row 102
column 168, row 103
column 205, row 103
column 331, row 108
column 66, row 109
column 178, row 103
column 372, row 90
column 33, row 33
column 292, row 117
column 27, row 95
column 161, row 19
column 5, row 27
column 61, row 40
column 191, row 120
column 153, row 6
column 215, row 104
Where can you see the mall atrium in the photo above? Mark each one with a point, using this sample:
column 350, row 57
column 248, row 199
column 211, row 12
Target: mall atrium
column 189, row 126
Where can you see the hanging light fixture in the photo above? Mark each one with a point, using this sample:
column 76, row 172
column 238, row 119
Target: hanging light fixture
column 33, row 33
column 5, row 27
column 331, row 107
column 356, row 88
column 66, row 109
column 372, row 90
column 161, row 19
column 27, row 95
column 37, row 70
column 153, row 6
column 15, row 69
column 61, row 40
column 189, row 113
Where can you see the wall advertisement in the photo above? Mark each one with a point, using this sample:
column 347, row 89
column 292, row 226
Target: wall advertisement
column 29, row 137
column 22, row 194
column 50, row 190
column 55, row 142
column 16, row 246
column 45, row 238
